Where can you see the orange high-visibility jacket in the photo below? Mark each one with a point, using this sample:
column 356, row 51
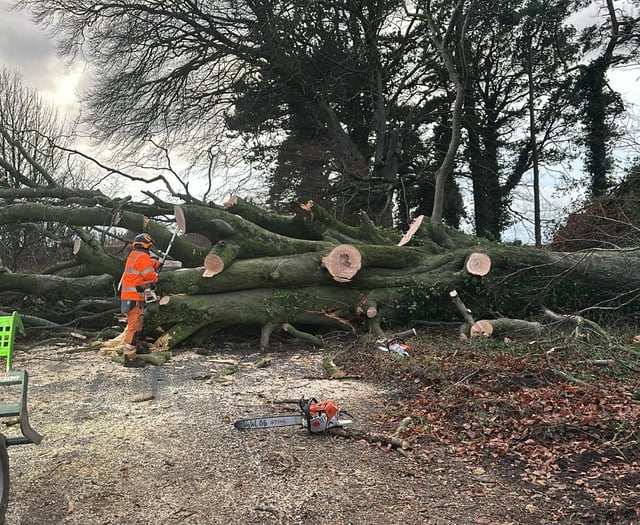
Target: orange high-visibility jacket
column 140, row 268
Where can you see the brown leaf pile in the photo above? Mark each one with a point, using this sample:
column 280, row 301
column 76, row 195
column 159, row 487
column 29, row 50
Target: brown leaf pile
column 503, row 407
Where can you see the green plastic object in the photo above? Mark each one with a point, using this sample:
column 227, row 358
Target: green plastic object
column 8, row 326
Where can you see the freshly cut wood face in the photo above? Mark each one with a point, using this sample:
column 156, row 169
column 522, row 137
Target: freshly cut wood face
column 343, row 263
column 213, row 265
column 180, row 220
column 481, row 329
column 412, row 230
column 233, row 200
column 478, row 264
column 307, row 206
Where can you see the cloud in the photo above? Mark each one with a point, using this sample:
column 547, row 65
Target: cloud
column 27, row 49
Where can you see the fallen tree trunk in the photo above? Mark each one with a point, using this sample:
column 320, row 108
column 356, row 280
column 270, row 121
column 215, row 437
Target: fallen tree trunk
column 322, row 307
column 310, row 273
column 55, row 288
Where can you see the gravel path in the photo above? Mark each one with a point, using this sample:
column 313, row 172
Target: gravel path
column 158, row 446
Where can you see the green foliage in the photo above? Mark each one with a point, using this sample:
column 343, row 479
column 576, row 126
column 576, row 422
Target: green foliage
column 601, row 109
column 422, row 300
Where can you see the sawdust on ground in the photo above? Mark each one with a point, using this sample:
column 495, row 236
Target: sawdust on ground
column 158, row 446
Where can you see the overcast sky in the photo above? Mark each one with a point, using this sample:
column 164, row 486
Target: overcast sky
column 26, row 48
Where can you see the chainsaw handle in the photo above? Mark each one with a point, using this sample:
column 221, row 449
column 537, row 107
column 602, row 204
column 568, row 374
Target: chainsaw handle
column 305, row 405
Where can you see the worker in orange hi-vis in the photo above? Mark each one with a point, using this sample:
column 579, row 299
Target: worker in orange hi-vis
column 140, row 274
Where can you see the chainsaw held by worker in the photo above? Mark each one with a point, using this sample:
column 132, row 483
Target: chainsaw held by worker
column 315, row 416
column 148, row 291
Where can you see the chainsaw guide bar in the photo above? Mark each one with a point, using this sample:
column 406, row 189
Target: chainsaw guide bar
column 268, row 422
column 316, row 417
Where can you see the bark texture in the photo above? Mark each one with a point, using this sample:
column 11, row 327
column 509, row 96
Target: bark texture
column 240, row 267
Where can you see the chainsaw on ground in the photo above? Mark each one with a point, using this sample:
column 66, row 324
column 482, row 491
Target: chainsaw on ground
column 315, row 416
column 395, row 344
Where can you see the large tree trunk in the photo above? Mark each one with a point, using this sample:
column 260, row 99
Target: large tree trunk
column 303, row 273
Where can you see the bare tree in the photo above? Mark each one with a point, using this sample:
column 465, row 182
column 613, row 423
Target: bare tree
column 29, row 127
column 447, row 37
column 178, row 72
column 26, row 124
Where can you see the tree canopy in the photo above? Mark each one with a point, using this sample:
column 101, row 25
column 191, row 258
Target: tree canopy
column 355, row 102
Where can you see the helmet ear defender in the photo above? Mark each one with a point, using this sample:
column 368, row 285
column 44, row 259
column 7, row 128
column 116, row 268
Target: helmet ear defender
column 144, row 240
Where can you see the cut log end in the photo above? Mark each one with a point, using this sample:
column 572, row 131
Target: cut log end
column 372, row 312
column 369, row 311
column 307, row 206
column 180, row 220
column 233, row 200
column 478, row 264
column 343, row 263
column 164, row 300
column 213, row 265
column 412, row 230
column 481, row 329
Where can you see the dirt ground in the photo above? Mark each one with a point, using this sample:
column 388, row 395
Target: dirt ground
column 158, row 446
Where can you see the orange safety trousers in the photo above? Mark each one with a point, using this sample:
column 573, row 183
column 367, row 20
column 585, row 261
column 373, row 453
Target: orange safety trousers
column 135, row 322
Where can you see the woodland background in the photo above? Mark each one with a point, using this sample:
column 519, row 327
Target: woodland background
column 335, row 126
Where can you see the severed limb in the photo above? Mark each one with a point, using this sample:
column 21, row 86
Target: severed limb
column 465, row 312
column 303, row 336
column 392, row 442
column 504, row 327
column 221, row 255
